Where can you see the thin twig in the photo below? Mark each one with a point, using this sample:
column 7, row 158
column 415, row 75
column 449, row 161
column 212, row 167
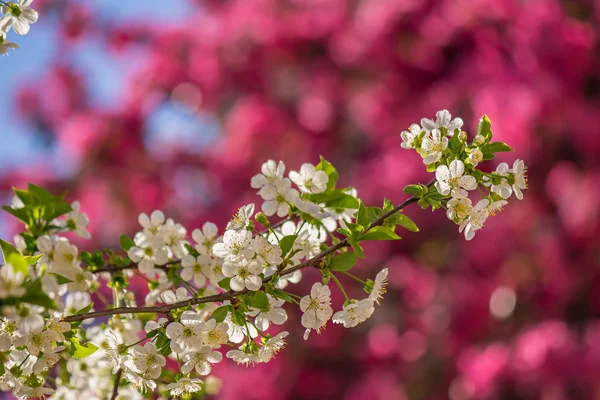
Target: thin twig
column 115, row 390
column 312, row 262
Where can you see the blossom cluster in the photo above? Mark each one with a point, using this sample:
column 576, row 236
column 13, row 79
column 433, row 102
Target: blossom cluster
column 213, row 290
column 446, row 150
column 18, row 16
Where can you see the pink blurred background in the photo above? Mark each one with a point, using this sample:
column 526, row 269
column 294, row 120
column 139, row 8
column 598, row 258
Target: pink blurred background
column 137, row 105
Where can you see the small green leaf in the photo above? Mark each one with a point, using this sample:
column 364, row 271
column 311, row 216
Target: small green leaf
column 353, row 241
column 239, row 318
column 362, row 217
column 380, row 233
column 31, row 260
column 61, row 280
column 343, row 202
column 260, row 301
column 406, row 222
column 21, row 214
column 78, row 350
column 331, row 172
column 343, row 262
column 286, row 243
column 126, row 242
column 224, row 284
column 415, row 190
column 86, row 309
column 495, row 147
column 8, row 249
column 280, row 294
column 221, row 313
column 485, row 128
column 18, row 263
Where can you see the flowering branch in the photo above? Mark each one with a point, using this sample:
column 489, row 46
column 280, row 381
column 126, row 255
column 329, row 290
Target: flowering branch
column 313, row 262
column 220, row 290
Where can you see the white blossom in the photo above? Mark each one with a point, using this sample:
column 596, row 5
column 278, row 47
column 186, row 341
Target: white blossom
column 276, row 314
column 458, row 209
column 408, row 137
column 146, row 256
column 11, row 282
column 272, row 346
column 201, row 360
column 242, row 218
column 147, row 360
column 316, row 308
column 76, row 221
column 309, row 180
column 184, row 386
column 379, row 286
column 433, row 146
column 520, row 172
column 277, row 196
column 270, row 173
column 205, row 238
column 354, row 313
column 443, row 119
column 185, row 334
column 194, row 267
column 243, row 274
column 19, row 16
column 235, row 245
column 214, row 334
column 170, row 297
column 475, row 220
column 452, row 180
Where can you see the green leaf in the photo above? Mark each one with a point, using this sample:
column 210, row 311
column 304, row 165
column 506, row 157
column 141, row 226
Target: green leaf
column 406, row 222
column 380, row 233
column 280, row 294
column 86, row 309
column 224, row 284
column 21, row 214
column 221, row 313
column 485, row 128
column 344, row 201
column 126, row 242
column 415, row 190
column 31, row 260
column 353, row 241
column 8, row 249
column 455, row 144
column 18, row 263
column 239, row 318
column 362, row 217
column 331, row 172
column 343, row 262
column 78, row 350
column 286, row 243
column 496, row 147
column 61, row 280
column 260, row 301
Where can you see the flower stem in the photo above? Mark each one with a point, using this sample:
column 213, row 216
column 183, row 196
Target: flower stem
column 354, row 277
column 340, row 286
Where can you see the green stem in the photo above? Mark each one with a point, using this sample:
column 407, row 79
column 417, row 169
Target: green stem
column 340, row 286
column 354, row 277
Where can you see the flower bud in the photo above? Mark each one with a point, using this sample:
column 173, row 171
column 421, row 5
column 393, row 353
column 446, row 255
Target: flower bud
column 262, row 219
column 462, row 136
column 475, row 157
column 212, row 385
column 479, row 139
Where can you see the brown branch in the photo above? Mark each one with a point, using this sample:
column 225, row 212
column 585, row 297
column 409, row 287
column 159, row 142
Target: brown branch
column 312, row 262
column 115, row 390
column 116, row 268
